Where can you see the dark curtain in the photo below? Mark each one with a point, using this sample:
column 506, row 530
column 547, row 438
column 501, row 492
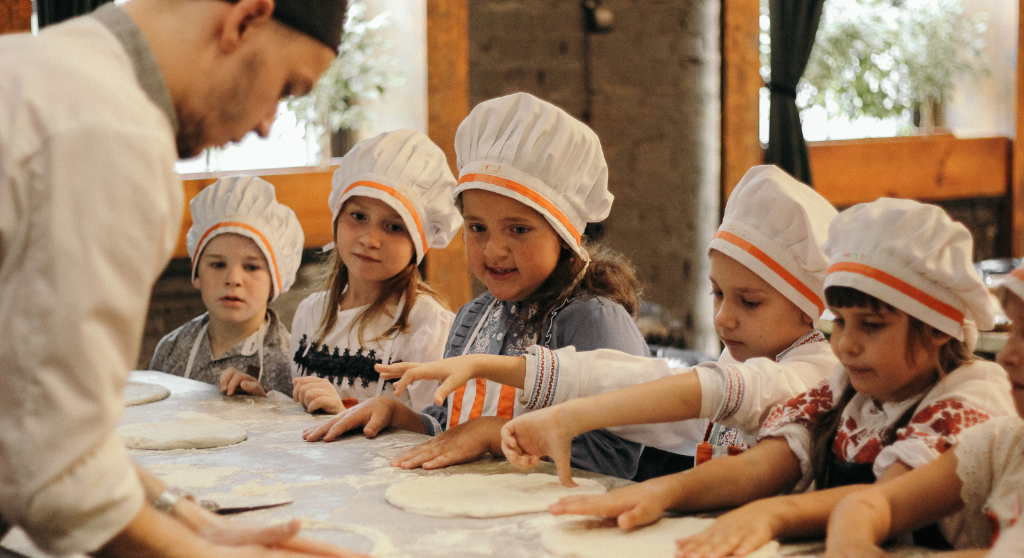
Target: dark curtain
column 56, row 11
column 793, row 26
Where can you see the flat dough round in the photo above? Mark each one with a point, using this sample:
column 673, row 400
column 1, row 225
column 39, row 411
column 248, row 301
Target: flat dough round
column 139, row 393
column 601, row 538
column 484, row 495
column 192, row 431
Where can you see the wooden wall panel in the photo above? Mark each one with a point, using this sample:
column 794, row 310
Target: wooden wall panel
column 741, row 82
column 304, row 192
column 1017, row 188
column 447, row 106
column 938, row 167
column 15, row 16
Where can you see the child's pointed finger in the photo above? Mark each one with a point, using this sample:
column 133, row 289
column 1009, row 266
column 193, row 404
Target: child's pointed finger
column 564, row 469
column 233, row 383
column 449, row 385
column 395, row 370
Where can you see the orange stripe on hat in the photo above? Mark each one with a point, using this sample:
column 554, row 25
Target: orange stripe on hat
column 273, row 258
column 1018, row 273
column 774, row 266
column 528, row 194
column 398, row 196
column 901, row 286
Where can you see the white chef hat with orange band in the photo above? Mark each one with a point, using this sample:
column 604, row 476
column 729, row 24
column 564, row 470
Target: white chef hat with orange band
column 407, row 171
column 248, row 206
column 535, row 153
column 914, row 257
column 774, row 225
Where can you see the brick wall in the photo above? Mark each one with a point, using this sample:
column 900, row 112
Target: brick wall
column 650, row 89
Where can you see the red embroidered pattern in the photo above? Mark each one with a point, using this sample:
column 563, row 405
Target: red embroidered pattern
column 806, row 407
column 941, row 422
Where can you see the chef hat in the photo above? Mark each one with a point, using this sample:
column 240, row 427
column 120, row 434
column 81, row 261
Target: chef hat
column 405, row 170
column 1013, row 282
column 247, row 206
column 775, row 225
column 321, row 19
column 913, row 257
column 535, row 153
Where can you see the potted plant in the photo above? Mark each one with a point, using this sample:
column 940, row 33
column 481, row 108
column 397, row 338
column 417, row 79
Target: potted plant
column 362, row 72
column 886, row 58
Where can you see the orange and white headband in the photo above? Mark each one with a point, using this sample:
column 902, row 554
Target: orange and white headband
column 397, row 201
column 893, row 284
column 248, row 231
column 508, row 181
column 774, row 264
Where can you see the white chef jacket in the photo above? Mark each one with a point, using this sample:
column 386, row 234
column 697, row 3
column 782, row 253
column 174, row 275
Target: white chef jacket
column 90, row 209
column 990, row 462
column 422, row 341
column 734, row 394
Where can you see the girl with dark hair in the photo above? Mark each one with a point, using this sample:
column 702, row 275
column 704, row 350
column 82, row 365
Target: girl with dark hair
column 906, row 301
column 531, row 178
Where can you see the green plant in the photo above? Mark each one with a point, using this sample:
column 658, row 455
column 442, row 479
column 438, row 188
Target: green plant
column 883, row 58
column 362, row 72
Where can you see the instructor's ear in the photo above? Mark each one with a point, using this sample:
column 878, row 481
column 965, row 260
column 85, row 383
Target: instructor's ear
column 243, row 16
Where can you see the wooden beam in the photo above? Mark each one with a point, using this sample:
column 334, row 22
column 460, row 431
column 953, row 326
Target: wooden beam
column 1017, row 189
column 306, row 192
column 741, row 84
column 933, row 168
column 15, row 16
column 447, row 106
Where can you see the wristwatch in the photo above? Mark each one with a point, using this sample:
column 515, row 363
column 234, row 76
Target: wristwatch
column 165, row 502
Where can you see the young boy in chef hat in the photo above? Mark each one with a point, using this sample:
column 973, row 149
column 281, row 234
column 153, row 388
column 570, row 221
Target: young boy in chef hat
column 391, row 198
column 530, row 178
column 245, row 249
column 767, row 269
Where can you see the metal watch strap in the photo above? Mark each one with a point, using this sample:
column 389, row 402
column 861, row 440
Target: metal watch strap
column 165, row 502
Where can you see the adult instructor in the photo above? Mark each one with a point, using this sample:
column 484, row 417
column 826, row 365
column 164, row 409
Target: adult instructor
column 94, row 112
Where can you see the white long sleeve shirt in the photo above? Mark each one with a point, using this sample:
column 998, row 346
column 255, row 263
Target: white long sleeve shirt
column 90, row 209
column 734, row 394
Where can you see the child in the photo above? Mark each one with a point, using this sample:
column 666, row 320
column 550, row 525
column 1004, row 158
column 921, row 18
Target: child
column 391, row 201
column 245, row 249
column 766, row 274
column 983, row 477
column 903, row 290
column 531, row 178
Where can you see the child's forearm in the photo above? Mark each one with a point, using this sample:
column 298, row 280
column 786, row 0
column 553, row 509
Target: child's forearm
column 861, row 518
column 666, row 400
column 505, row 370
column 767, row 469
column 805, row 515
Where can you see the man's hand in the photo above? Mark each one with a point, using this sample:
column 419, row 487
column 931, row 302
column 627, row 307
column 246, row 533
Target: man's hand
column 316, row 394
column 528, row 438
column 232, row 381
column 461, row 444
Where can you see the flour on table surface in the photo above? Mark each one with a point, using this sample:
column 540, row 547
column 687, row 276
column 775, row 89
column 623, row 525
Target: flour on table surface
column 383, row 546
column 589, row 537
column 484, row 495
column 194, row 476
column 140, row 393
column 189, row 431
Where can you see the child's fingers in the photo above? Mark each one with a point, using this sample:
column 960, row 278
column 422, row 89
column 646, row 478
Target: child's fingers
column 638, row 516
column 251, row 386
column 564, row 469
column 416, row 456
column 709, row 544
column 450, row 384
column 396, row 370
column 233, row 383
column 317, row 432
